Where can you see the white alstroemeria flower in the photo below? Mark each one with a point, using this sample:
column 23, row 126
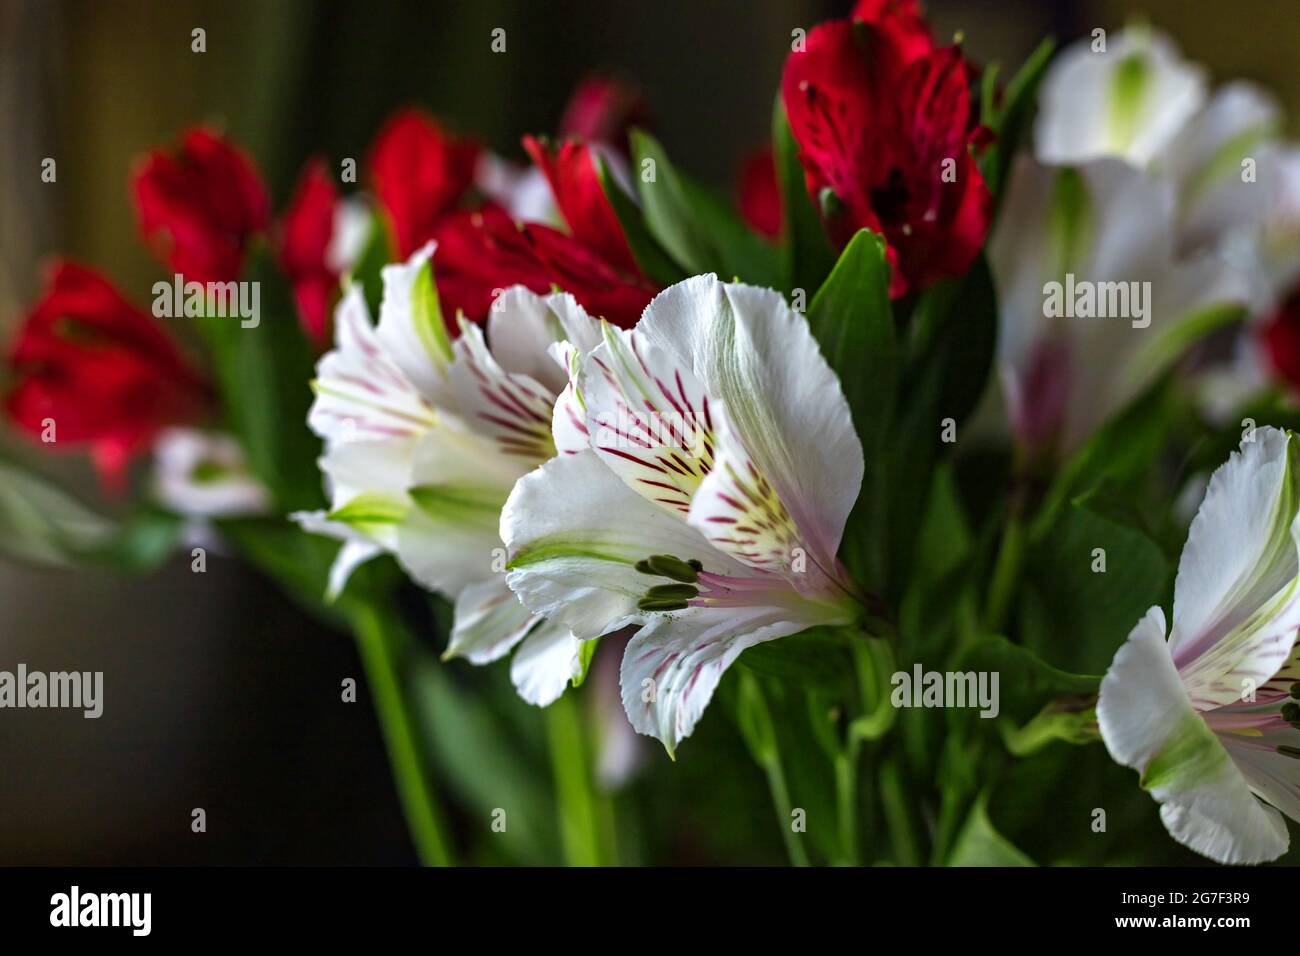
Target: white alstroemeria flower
column 1127, row 102
column 353, row 220
column 203, row 475
column 1208, row 716
column 1223, row 165
column 1269, row 253
column 722, row 467
column 1105, row 231
column 425, row 439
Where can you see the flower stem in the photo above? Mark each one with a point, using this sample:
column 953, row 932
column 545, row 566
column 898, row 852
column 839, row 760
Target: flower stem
column 894, row 802
column 781, row 800
column 846, row 800
column 382, row 641
column 574, row 787
column 1006, row 573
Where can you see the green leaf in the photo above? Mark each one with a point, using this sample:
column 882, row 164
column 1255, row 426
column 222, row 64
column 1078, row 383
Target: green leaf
column 1010, row 123
column 699, row 230
column 1074, row 614
column 806, row 252
column 950, row 353
column 980, row 844
column 1026, row 683
column 853, row 322
column 142, row 542
column 263, row 376
column 818, row 657
column 42, row 524
column 473, row 750
column 649, row 255
column 377, row 253
column 1124, row 447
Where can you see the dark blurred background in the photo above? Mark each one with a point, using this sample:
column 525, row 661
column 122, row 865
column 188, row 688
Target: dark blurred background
column 219, row 694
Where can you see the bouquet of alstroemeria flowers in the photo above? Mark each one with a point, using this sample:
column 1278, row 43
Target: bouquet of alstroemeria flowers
column 946, row 477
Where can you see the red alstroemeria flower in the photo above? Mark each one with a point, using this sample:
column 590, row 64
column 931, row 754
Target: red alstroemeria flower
column 100, row 369
column 885, row 135
column 601, row 110
column 483, row 251
column 902, row 24
column 1280, row 336
column 198, row 206
column 570, row 168
column 306, row 230
column 420, row 172
column 758, row 194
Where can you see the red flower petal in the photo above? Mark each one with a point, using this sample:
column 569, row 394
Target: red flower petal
column 1280, row 336
column 758, row 193
column 886, row 134
column 305, row 233
column 602, row 110
column 102, row 370
column 198, row 205
column 420, row 173
column 482, row 252
column 570, row 168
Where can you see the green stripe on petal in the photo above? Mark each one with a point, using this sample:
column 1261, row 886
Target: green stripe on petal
column 426, row 316
column 1129, row 87
column 459, row 503
column 370, row 512
column 1191, row 754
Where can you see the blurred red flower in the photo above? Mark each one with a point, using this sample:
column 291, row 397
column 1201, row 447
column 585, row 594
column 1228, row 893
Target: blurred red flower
column 420, row 172
column 1280, row 335
column 306, row 230
column 602, row 109
column 758, row 194
column 93, row 370
column 199, row 204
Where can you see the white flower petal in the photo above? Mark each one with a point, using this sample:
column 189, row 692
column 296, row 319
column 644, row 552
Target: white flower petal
column 1206, row 163
column 358, row 547
column 510, row 409
column 574, row 533
column 1128, row 102
column 353, row 220
column 740, row 513
column 1236, row 597
column 757, row 356
column 411, row 325
column 369, row 467
column 351, row 556
column 547, row 660
column 1105, row 222
column 569, row 419
column 672, row 666
column 489, row 621
column 649, row 418
column 361, row 393
column 522, row 326
column 459, row 482
column 1148, row 723
column 203, row 474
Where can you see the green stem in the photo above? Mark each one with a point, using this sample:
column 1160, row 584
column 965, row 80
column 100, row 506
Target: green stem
column 1006, row 574
column 382, row 642
column 846, row 800
column 781, row 800
column 574, row 787
column 894, row 803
